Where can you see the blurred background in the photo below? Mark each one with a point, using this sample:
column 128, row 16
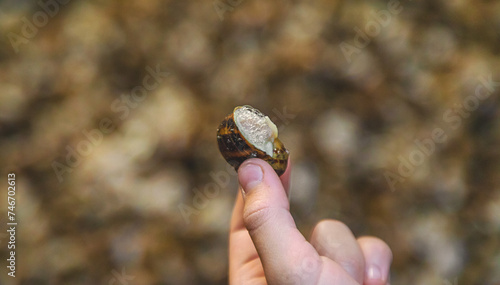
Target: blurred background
column 108, row 114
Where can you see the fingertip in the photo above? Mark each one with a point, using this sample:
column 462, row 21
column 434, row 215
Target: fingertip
column 335, row 240
column 378, row 259
column 250, row 175
column 268, row 192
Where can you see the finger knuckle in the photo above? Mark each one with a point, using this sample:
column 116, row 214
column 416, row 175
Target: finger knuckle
column 256, row 215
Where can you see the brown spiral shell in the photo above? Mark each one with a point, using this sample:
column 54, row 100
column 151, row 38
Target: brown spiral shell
column 235, row 148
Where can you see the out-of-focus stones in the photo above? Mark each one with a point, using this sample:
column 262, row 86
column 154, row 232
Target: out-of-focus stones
column 304, row 185
column 335, row 135
column 356, row 93
column 435, row 240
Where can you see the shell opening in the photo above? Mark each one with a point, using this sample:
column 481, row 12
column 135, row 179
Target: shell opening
column 257, row 128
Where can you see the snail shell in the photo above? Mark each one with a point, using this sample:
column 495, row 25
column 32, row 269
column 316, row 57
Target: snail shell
column 247, row 133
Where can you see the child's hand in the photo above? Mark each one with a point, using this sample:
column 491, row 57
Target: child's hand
column 265, row 246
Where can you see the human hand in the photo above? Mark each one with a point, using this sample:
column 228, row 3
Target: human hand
column 265, row 246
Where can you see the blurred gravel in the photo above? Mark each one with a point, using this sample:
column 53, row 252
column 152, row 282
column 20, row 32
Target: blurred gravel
column 148, row 201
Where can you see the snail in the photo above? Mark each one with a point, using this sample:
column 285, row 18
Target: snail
column 247, row 133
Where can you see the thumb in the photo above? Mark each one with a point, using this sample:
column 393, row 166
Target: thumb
column 266, row 216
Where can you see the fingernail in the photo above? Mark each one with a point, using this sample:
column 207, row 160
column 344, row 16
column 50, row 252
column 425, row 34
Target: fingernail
column 377, row 272
column 374, row 272
column 250, row 175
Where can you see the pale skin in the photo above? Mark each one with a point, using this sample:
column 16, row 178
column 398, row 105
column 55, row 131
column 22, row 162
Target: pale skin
column 265, row 246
